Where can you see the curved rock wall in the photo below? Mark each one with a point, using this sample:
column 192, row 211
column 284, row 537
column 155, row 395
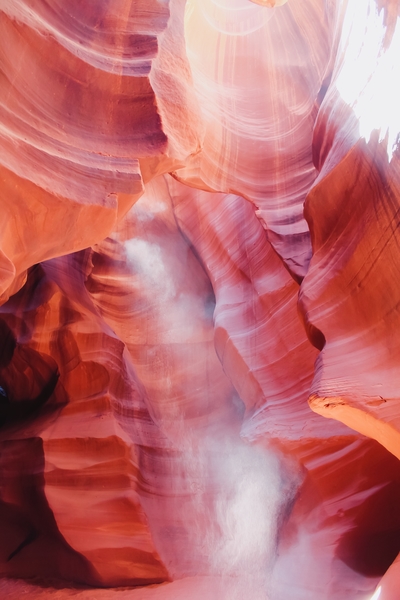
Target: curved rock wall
column 199, row 244
column 352, row 211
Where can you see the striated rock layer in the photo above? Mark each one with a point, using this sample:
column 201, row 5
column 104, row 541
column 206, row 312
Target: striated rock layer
column 199, row 245
column 353, row 211
column 79, row 115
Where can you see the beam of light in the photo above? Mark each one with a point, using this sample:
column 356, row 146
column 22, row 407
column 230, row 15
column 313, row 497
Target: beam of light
column 368, row 78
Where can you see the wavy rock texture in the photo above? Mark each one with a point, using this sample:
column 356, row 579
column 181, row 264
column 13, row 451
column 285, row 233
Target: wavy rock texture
column 259, row 107
column 78, row 439
column 79, row 111
column 201, row 520
column 255, row 315
column 199, row 243
column 350, row 292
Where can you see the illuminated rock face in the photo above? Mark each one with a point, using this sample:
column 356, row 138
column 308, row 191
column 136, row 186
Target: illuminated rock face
column 199, row 244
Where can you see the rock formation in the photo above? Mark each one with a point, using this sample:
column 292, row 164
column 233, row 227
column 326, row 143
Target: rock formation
column 199, row 265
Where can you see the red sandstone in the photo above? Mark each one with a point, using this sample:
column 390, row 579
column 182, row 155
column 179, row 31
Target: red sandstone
column 199, row 267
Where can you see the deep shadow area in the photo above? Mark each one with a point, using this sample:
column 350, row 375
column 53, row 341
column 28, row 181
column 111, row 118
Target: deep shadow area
column 373, row 542
column 30, row 543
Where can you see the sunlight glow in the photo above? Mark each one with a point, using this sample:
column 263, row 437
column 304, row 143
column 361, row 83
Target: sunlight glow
column 368, row 79
column 229, row 17
column 377, row 593
column 270, row 3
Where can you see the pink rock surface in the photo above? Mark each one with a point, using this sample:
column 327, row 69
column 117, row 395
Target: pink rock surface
column 255, row 314
column 82, row 106
column 350, row 291
column 199, row 243
column 257, row 86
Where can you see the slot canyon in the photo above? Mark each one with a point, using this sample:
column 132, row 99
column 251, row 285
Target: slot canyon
column 200, row 299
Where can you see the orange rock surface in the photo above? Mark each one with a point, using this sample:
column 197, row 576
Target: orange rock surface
column 199, row 266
